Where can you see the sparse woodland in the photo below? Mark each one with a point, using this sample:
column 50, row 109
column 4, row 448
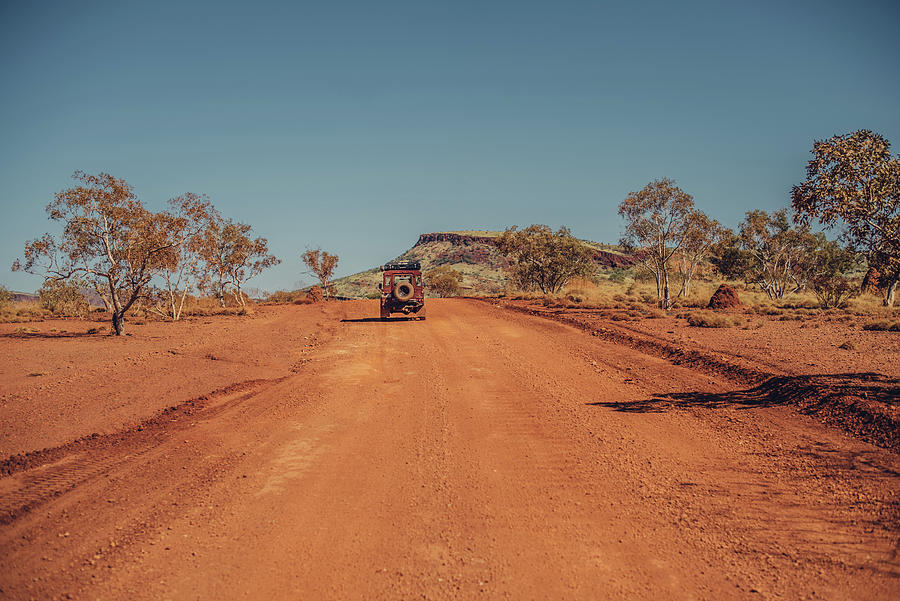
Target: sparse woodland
column 852, row 190
column 133, row 259
column 836, row 246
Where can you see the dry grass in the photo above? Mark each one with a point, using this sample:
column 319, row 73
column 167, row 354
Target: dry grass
column 608, row 294
column 139, row 313
column 709, row 319
column 23, row 311
column 284, row 297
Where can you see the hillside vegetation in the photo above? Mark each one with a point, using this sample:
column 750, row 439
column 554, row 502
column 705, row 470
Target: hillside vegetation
column 473, row 253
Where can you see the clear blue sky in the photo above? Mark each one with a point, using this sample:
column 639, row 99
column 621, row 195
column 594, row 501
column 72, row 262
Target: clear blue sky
column 356, row 126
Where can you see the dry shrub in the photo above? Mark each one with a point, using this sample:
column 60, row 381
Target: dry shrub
column 64, row 298
column 18, row 312
column 599, row 293
column 194, row 306
column 6, row 297
column 282, row 297
column 551, row 302
column 691, row 303
column 708, row 319
column 883, row 325
column 623, row 317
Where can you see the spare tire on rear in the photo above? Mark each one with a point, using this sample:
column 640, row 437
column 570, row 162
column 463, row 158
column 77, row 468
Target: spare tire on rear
column 403, row 291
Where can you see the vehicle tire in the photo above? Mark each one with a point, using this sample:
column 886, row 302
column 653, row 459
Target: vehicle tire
column 421, row 313
column 403, row 291
column 385, row 313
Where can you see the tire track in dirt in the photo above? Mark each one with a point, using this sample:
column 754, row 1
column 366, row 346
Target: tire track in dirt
column 703, row 501
column 33, row 478
column 475, row 454
column 60, row 469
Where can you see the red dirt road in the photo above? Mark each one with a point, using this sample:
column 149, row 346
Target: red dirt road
column 479, row 454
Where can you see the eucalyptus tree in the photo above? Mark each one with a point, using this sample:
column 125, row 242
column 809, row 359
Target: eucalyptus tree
column 658, row 219
column 544, row 259
column 109, row 239
column 853, row 182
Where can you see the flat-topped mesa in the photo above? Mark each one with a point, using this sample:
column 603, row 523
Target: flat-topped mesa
column 456, row 239
column 601, row 257
column 608, row 259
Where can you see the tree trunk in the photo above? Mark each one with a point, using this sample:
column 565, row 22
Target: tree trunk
column 656, row 276
column 181, row 304
column 666, row 301
column 118, row 323
column 889, row 293
column 174, row 315
column 221, row 292
column 118, row 314
column 239, row 294
column 688, row 278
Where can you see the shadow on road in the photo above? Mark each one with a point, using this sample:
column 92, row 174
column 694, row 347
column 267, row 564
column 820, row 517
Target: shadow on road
column 378, row 319
column 93, row 334
column 777, row 390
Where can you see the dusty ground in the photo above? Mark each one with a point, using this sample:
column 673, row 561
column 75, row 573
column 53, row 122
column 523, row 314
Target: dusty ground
column 58, row 382
column 827, row 365
column 811, row 345
column 480, row 454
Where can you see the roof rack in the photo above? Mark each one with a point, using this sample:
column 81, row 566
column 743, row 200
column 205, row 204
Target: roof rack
column 401, row 265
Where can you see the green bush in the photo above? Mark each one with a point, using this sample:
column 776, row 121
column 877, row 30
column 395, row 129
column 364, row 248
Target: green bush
column 63, row 297
column 618, row 276
column 444, row 281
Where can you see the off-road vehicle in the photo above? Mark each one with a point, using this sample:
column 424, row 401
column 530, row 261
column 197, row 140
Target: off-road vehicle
column 402, row 289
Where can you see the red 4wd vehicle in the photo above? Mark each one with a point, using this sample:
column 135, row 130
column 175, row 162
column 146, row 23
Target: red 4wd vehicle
column 402, row 289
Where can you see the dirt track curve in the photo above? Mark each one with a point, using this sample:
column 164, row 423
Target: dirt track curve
column 479, row 454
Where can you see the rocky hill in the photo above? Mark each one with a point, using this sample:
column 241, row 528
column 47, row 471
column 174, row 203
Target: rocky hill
column 472, row 253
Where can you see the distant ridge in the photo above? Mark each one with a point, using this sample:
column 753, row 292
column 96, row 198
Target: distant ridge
column 602, row 256
column 473, row 253
column 455, row 238
column 93, row 299
column 24, row 297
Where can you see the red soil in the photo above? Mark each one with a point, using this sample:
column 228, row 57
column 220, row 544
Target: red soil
column 482, row 453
